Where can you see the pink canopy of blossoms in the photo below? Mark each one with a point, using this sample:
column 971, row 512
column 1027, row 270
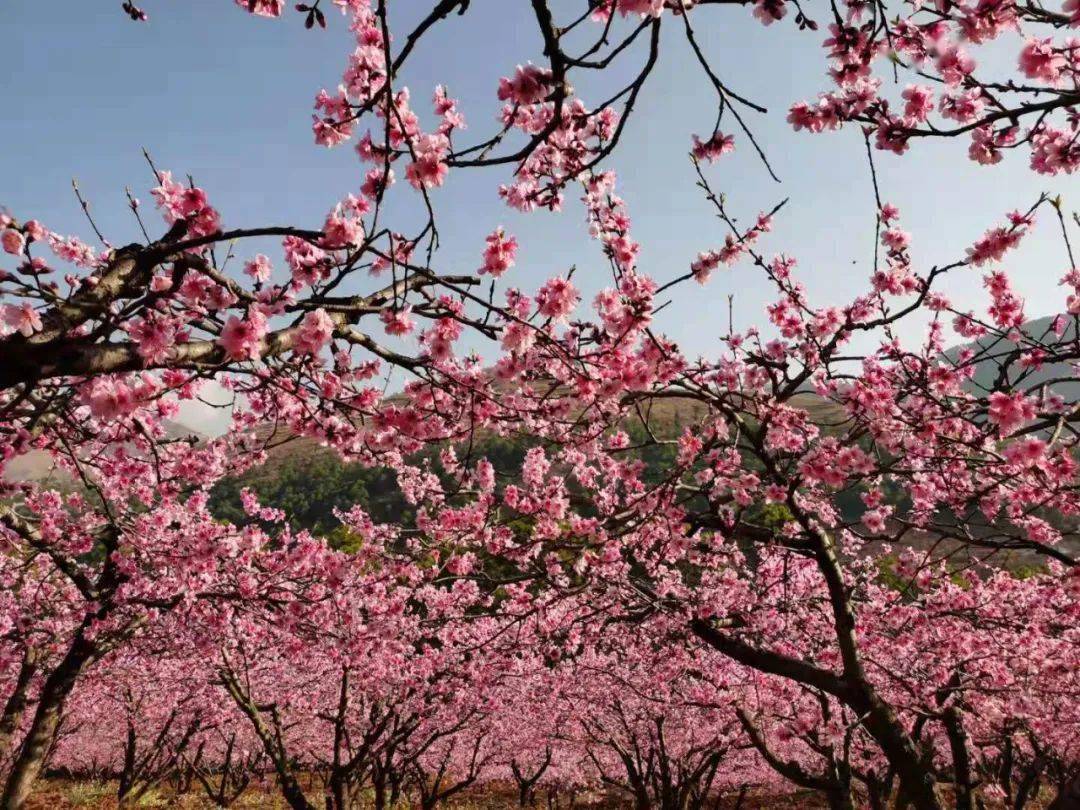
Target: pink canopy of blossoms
column 846, row 564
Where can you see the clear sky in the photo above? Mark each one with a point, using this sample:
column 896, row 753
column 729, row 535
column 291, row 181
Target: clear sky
column 226, row 97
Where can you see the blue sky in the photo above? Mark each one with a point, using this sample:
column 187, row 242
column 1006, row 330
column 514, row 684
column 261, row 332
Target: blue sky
column 213, row 92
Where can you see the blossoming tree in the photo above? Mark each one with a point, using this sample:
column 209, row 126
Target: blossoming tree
column 809, row 469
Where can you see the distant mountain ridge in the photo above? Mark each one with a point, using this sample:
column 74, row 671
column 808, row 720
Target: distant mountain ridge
column 1061, row 376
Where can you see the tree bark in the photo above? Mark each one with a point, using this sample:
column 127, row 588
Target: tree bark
column 1068, row 798
column 35, row 748
column 290, row 787
column 17, row 702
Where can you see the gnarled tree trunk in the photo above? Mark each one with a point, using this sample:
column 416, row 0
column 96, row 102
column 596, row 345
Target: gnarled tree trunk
column 39, row 738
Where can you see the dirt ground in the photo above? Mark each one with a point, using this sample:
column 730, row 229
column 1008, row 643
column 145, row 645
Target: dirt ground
column 62, row 794
column 65, row 794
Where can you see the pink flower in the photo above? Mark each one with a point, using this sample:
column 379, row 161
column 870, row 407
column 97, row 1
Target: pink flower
column 342, row 231
column 770, row 11
column 499, row 254
column 314, row 332
column 954, row 64
column 1072, row 8
column 1054, row 151
column 832, row 464
column 259, row 268
column 875, row 520
column 1040, row 60
column 336, row 123
column 557, row 299
column 711, row 150
column 966, row 326
column 993, row 245
column 13, row 242
column 646, row 8
column 376, row 182
column 428, row 170
column 895, row 239
column 518, row 337
column 161, row 282
column 34, row 230
column 962, row 107
column 446, row 108
column 155, row 335
column 1010, row 411
column 920, row 102
column 37, row 266
column 180, row 202
column 22, row 318
column 485, row 475
column 242, row 338
column 624, row 251
column 801, row 116
column 986, row 144
column 702, row 267
column 109, row 397
column 307, row 262
column 892, row 136
column 529, row 85
column 72, row 250
column 263, row 8
column 1007, row 308
column 397, row 321
column 439, row 340
column 1026, row 452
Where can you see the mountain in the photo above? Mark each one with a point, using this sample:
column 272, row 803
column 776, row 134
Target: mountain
column 1061, row 376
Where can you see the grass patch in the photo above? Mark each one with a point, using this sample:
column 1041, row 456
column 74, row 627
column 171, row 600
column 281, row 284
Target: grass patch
column 87, row 794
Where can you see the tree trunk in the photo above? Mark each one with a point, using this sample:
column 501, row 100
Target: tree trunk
column 39, row 739
column 840, row 799
column 295, row 796
column 1026, row 788
column 336, row 791
column 379, row 783
column 1068, row 797
column 127, row 775
column 17, row 702
column 916, row 782
column 954, row 727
